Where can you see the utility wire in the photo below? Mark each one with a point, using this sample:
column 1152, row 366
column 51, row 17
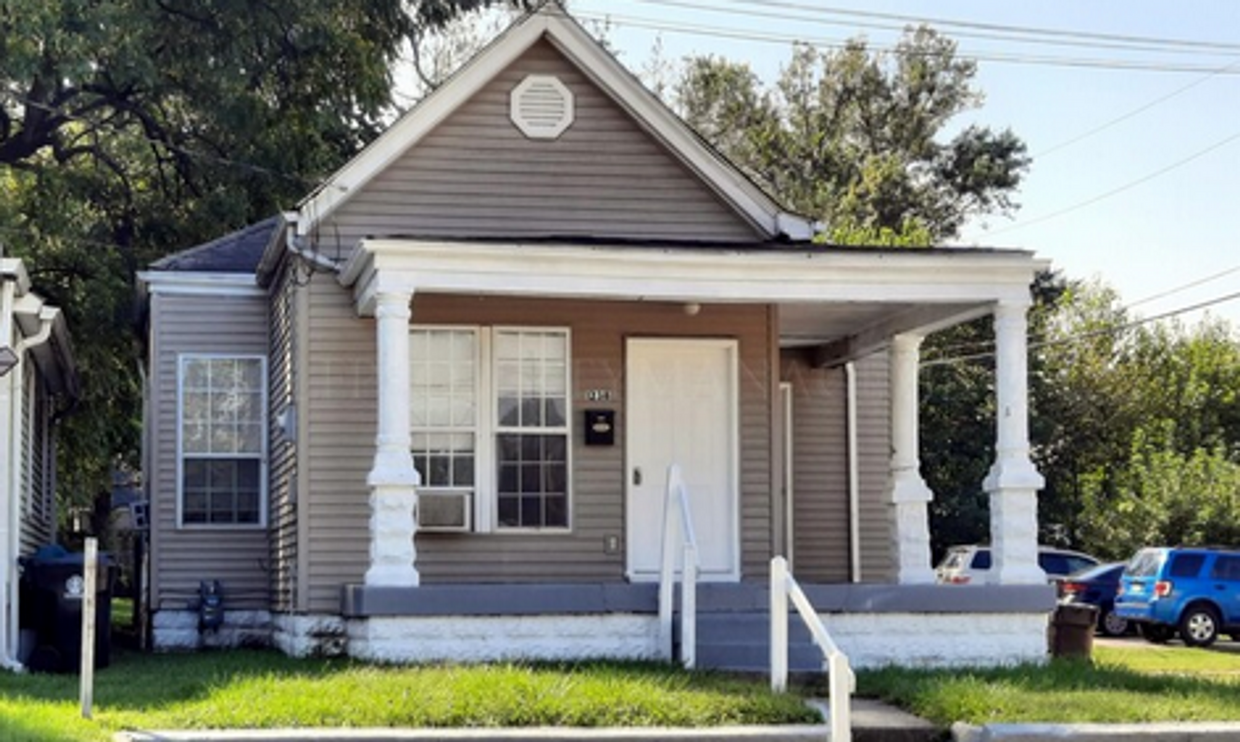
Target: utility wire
column 1073, row 339
column 785, row 39
column 1121, row 189
column 1185, row 287
column 817, row 17
column 952, row 349
column 1136, row 111
column 1015, row 29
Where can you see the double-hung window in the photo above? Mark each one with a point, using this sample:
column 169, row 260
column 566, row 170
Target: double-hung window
column 490, row 421
column 222, row 419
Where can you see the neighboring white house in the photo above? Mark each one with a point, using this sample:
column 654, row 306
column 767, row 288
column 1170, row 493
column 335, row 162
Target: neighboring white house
column 38, row 380
column 429, row 414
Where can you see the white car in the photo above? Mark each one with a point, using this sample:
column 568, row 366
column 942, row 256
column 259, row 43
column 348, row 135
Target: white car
column 969, row 564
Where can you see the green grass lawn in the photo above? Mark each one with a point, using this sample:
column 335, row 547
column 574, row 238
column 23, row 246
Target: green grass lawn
column 1121, row 685
column 257, row 689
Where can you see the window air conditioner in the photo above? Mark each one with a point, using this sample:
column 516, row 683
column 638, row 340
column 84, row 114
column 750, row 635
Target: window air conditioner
column 446, row 512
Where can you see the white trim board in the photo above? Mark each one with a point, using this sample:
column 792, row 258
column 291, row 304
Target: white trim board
column 628, row 273
column 183, row 283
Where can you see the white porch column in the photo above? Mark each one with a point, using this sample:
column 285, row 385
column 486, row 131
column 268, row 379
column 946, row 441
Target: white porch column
column 1013, row 482
column 393, row 480
column 909, row 492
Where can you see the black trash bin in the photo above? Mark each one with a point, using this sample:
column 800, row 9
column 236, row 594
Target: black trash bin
column 1072, row 630
column 52, row 587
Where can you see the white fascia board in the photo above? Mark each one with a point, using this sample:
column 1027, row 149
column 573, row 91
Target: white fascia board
column 13, row 269
column 629, row 273
column 185, row 283
column 419, row 122
column 275, row 246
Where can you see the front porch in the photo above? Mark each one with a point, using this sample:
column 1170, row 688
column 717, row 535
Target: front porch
column 818, row 308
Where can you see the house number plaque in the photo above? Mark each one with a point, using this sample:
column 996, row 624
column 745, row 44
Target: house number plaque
column 599, row 395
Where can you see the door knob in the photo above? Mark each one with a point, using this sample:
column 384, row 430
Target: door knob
column 637, row 476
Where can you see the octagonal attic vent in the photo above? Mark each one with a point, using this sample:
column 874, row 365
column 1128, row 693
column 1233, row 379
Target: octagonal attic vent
column 541, row 107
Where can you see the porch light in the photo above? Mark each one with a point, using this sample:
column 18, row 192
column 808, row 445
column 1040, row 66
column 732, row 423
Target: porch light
column 692, row 308
column 8, row 359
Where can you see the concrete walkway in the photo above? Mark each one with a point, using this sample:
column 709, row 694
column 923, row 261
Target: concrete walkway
column 1169, row 732
column 873, row 721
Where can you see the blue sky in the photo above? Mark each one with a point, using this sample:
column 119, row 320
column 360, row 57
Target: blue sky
column 1173, row 229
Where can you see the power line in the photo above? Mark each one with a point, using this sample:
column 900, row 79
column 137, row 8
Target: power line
column 1135, row 112
column 785, row 39
column 1015, row 29
column 1072, row 339
column 959, row 347
column 1121, row 189
column 1018, row 37
column 1185, row 287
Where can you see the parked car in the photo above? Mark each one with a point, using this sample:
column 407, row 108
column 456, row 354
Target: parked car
column 965, row 564
column 1097, row 586
column 1191, row 590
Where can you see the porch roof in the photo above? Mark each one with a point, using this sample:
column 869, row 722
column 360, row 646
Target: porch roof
column 845, row 302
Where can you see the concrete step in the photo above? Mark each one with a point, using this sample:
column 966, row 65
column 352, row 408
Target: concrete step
column 740, row 641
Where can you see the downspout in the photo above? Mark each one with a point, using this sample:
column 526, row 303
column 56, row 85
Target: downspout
column 8, row 293
column 854, row 478
column 46, row 319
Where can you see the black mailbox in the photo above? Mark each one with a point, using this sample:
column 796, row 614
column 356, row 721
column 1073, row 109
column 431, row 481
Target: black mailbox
column 600, row 427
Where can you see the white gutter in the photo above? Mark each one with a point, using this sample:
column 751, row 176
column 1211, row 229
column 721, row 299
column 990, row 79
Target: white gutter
column 47, row 318
column 854, row 483
column 8, row 293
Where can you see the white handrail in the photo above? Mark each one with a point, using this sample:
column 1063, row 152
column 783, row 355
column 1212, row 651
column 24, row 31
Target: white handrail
column 841, row 683
column 678, row 530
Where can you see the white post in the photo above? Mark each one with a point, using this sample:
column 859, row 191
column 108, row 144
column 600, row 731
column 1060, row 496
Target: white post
column 688, row 608
column 840, row 687
column 1013, row 481
column 908, row 492
column 393, row 480
column 90, row 573
column 779, row 625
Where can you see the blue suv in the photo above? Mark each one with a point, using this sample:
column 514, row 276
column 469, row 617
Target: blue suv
column 1192, row 590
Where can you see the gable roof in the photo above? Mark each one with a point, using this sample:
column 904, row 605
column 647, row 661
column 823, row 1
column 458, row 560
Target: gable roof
column 237, row 252
column 551, row 22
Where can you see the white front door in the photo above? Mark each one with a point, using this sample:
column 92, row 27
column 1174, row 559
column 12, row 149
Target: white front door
column 681, row 407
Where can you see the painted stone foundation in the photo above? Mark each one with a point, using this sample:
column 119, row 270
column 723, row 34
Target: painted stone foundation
column 939, row 639
column 310, row 636
column 490, row 638
column 178, row 630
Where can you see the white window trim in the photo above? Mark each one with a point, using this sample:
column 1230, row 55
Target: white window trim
column 486, row 484
column 477, row 428
column 263, row 461
column 567, row 429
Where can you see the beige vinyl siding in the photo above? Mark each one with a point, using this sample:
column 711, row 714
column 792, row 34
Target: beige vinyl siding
column 476, row 174
column 282, row 457
column 819, row 469
column 36, row 526
column 181, row 557
column 341, row 408
column 874, row 462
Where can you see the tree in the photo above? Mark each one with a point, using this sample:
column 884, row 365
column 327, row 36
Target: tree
column 134, row 128
column 853, row 137
column 1137, row 427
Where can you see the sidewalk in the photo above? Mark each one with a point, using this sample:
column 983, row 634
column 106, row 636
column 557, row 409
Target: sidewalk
column 873, row 721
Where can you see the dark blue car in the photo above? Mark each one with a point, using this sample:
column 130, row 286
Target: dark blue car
column 1097, row 586
column 1193, row 591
